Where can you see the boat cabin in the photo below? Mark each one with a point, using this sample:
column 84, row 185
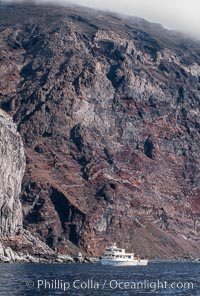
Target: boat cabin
column 114, row 252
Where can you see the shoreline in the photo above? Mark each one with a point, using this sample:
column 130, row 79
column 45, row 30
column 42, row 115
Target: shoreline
column 96, row 260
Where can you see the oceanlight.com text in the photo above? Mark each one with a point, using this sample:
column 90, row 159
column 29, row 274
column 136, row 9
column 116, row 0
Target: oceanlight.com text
column 91, row 284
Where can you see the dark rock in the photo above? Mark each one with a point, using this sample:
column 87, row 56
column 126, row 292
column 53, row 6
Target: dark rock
column 149, row 147
column 38, row 149
column 89, row 89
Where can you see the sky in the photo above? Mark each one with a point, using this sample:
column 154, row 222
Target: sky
column 181, row 15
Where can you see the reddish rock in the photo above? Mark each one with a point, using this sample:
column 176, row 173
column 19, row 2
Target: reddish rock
column 109, row 112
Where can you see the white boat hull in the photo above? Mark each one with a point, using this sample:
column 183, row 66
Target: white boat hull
column 143, row 262
column 118, row 257
column 118, row 262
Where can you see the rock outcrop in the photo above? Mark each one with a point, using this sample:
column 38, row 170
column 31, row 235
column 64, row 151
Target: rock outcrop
column 12, row 168
column 108, row 108
column 25, row 247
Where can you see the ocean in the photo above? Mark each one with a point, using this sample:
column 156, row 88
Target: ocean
column 162, row 278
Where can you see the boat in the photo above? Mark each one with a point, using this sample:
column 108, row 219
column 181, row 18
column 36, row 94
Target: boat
column 118, row 257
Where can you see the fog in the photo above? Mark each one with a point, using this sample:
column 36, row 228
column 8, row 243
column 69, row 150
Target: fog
column 181, row 15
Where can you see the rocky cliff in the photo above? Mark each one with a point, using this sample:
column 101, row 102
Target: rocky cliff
column 12, row 164
column 16, row 244
column 108, row 108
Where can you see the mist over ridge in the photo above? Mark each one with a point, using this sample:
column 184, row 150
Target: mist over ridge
column 179, row 15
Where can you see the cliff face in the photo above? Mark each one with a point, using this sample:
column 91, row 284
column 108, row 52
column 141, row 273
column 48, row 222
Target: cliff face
column 12, row 167
column 16, row 244
column 109, row 112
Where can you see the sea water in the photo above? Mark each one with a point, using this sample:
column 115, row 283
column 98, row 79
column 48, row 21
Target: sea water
column 162, row 278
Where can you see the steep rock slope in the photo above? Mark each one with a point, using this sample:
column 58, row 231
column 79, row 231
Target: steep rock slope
column 108, row 108
column 12, row 167
column 16, row 244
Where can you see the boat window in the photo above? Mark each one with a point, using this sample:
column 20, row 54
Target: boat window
column 129, row 257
